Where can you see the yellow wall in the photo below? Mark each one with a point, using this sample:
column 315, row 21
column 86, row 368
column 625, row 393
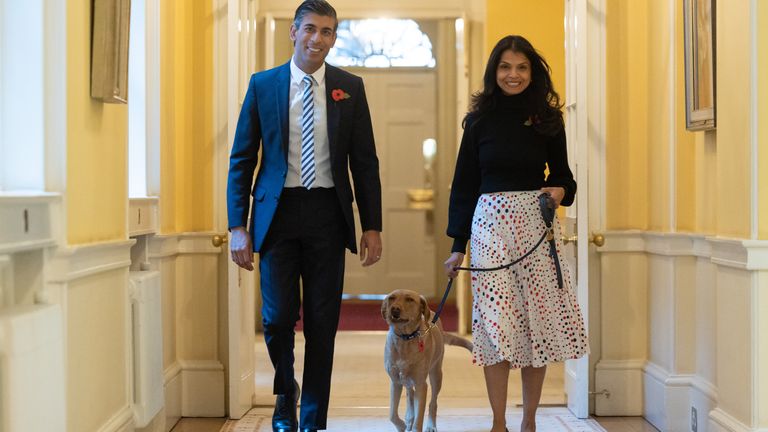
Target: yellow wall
column 540, row 22
column 186, row 116
column 762, row 121
column 96, row 144
column 662, row 177
column 626, row 115
column 733, row 120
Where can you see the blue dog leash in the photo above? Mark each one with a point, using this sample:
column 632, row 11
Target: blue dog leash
column 547, row 207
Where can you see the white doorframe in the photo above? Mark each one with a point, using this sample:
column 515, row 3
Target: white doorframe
column 234, row 60
column 585, row 100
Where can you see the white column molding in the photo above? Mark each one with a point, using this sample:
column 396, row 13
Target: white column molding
column 164, row 246
column 729, row 252
column 76, row 262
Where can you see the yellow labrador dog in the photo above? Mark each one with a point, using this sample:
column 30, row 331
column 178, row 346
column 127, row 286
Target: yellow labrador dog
column 413, row 352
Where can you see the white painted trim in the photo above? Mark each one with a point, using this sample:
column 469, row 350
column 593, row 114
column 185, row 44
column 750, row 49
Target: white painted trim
column 173, row 392
column 705, row 387
column 735, row 253
column 757, row 364
column 55, row 111
column 153, row 117
column 171, row 372
column 143, row 216
column 220, row 98
column 663, row 376
column 363, row 11
column 637, row 364
column 597, row 102
column 166, row 246
column 728, row 252
column 269, row 40
column 624, row 380
column 203, row 388
column 76, row 262
column 200, row 365
column 121, row 421
column 724, row 421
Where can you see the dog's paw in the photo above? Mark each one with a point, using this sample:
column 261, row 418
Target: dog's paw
column 399, row 425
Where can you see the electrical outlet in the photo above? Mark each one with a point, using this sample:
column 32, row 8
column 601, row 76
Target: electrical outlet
column 694, row 420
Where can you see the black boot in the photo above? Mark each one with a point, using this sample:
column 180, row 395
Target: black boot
column 284, row 417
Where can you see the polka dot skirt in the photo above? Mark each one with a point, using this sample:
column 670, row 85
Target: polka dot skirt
column 520, row 314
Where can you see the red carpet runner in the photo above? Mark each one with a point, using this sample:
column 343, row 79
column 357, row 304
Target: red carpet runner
column 366, row 315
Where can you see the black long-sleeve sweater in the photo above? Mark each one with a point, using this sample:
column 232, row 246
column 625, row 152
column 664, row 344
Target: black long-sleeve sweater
column 502, row 151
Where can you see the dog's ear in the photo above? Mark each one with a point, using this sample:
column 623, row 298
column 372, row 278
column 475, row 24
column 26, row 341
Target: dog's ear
column 385, row 309
column 424, row 308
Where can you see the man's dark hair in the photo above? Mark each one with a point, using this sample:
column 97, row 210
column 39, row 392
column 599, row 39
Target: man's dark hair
column 318, row 7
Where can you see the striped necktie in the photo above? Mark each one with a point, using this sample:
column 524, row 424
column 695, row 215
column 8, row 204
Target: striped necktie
column 307, row 135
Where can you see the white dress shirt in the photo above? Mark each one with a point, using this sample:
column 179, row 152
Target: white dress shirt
column 322, row 148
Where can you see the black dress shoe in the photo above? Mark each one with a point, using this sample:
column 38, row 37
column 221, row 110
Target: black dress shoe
column 284, row 417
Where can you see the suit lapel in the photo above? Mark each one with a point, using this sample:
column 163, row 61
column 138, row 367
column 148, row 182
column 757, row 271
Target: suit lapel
column 282, row 91
column 332, row 107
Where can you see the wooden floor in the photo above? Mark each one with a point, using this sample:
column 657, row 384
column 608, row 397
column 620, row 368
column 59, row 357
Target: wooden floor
column 359, row 379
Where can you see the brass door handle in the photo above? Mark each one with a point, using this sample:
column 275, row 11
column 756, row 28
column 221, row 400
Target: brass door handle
column 421, row 199
column 218, row 240
column 597, row 239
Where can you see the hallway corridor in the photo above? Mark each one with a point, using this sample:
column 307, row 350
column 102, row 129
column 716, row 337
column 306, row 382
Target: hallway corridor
column 360, row 395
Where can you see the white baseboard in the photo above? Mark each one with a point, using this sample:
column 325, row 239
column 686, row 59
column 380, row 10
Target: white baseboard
column 720, row 421
column 122, row 421
column 202, row 384
column 172, row 380
column 667, row 399
column 624, row 380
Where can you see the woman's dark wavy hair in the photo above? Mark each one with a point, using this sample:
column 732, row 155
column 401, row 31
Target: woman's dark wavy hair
column 542, row 99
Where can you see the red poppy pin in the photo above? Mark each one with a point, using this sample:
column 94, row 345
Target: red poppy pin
column 339, row 94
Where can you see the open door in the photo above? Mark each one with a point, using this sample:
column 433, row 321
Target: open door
column 233, row 64
column 583, row 110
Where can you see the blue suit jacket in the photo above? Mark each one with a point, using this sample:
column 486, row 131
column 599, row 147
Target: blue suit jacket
column 263, row 126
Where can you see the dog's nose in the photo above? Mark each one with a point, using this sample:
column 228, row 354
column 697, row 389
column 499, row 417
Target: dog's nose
column 395, row 312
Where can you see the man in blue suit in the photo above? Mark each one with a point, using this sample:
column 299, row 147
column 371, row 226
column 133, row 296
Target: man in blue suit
column 312, row 124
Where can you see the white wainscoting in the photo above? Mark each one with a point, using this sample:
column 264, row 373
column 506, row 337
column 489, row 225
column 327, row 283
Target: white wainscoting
column 67, row 266
column 194, row 388
column 700, row 295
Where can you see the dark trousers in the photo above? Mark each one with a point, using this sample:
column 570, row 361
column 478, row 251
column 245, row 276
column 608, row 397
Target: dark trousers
column 305, row 239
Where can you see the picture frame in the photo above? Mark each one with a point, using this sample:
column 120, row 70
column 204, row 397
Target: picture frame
column 109, row 50
column 700, row 72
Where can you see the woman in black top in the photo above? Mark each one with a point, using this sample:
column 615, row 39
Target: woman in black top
column 524, row 316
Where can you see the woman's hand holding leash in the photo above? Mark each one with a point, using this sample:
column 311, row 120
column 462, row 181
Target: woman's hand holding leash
column 452, row 262
column 557, row 193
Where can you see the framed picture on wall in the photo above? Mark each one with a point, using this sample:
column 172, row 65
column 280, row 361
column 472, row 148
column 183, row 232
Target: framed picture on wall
column 699, row 64
column 109, row 50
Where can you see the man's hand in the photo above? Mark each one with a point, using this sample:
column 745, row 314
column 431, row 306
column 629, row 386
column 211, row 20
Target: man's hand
column 370, row 247
column 240, row 247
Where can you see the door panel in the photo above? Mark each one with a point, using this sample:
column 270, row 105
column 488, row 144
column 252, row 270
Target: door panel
column 577, row 371
column 403, row 109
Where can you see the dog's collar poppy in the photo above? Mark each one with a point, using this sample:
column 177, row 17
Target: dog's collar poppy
column 411, row 336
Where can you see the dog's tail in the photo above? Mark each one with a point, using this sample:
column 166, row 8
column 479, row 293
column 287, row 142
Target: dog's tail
column 450, row 339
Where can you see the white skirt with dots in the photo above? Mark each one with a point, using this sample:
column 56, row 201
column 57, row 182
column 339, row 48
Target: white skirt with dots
column 520, row 314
